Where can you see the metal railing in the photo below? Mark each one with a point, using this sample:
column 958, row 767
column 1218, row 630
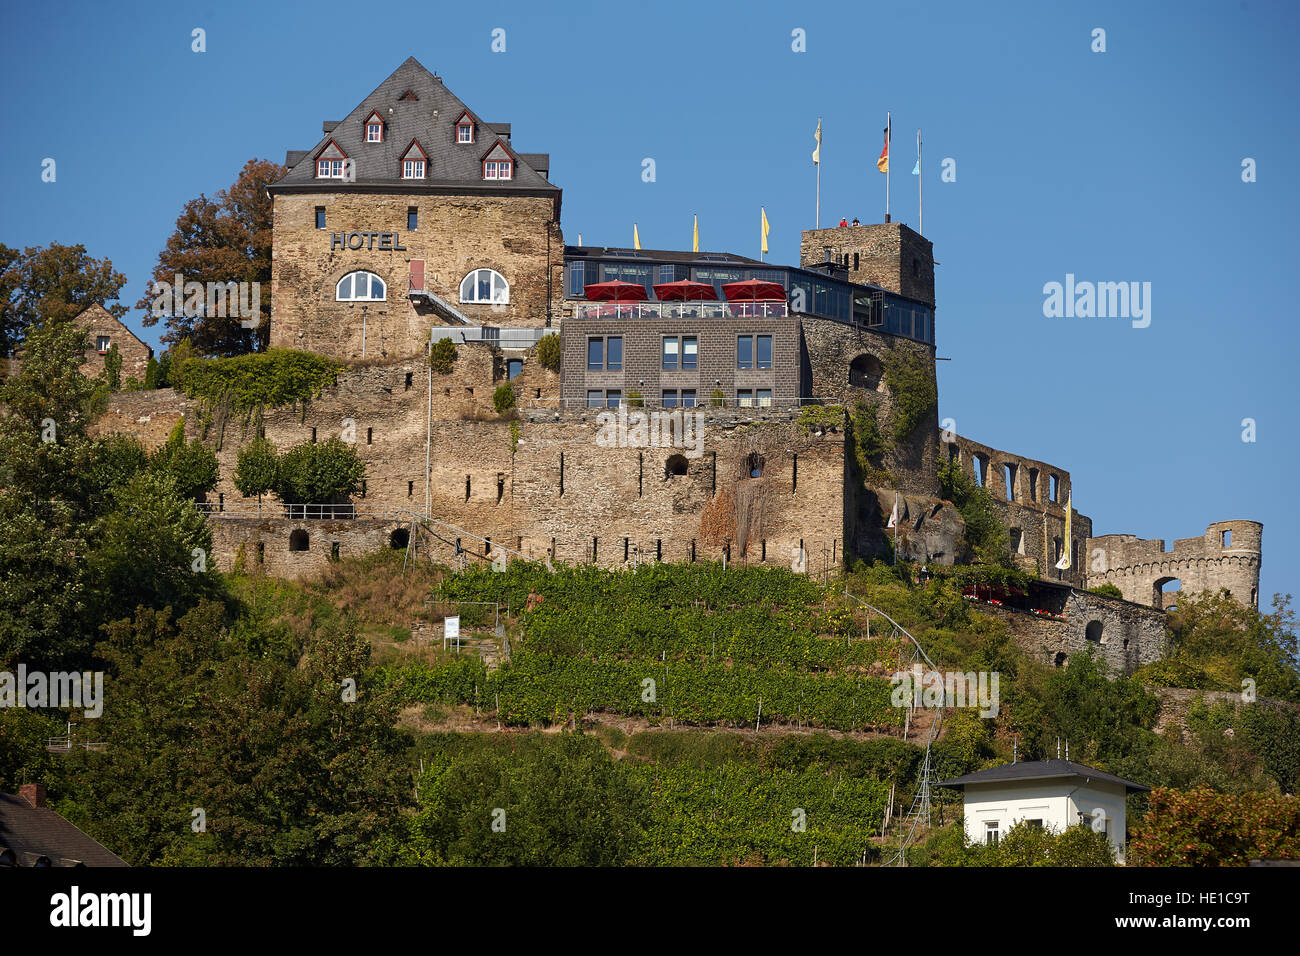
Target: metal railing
column 500, row 336
column 345, row 511
column 703, row 401
column 681, row 310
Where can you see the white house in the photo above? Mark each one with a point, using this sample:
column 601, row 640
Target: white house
column 1050, row 793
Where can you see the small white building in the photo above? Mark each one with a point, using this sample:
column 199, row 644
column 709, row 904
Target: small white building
column 1049, row 793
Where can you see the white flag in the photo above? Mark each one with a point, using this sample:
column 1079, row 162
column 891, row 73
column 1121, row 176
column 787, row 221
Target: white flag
column 893, row 518
column 1064, row 563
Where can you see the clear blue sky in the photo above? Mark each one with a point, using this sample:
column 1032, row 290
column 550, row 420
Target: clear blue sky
column 1115, row 166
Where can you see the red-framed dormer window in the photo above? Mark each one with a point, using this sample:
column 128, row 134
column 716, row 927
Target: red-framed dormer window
column 374, row 127
column 465, row 128
column 414, row 162
column 331, row 162
column 498, row 169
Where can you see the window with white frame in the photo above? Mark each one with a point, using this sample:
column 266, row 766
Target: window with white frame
column 361, row 287
column 498, row 169
column 102, row 343
column 374, row 132
column 412, row 169
column 465, row 132
column 991, row 832
column 485, row 285
column 329, row 169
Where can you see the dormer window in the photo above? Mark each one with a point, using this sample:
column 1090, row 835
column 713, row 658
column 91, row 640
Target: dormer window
column 374, row 127
column 413, row 161
column 465, row 128
column 331, row 162
column 498, row 169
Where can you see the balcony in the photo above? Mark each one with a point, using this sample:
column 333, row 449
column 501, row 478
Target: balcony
column 681, row 310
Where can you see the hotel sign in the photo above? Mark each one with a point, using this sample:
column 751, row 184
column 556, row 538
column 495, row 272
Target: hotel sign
column 388, row 241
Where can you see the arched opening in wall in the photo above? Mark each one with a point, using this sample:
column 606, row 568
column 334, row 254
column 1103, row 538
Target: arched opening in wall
column 980, row 465
column 298, row 540
column 954, row 453
column 1054, row 488
column 1061, row 659
column 675, row 467
column 1254, row 597
column 399, row 539
column 1017, row 541
column 1164, row 593
column 1033, row 484
column 865, row 372
column 1009, row 476
column 1093, row 632
column 1226, row 539
column 754, row 464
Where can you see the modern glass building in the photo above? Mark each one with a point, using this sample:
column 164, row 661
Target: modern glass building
column 808, row 291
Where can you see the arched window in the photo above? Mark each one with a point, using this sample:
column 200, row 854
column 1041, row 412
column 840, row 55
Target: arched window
column 361, row 287
column 675, row 466
column 485, row 285
column 1093, row 632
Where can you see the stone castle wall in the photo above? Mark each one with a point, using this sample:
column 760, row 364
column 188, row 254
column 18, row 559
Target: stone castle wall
column 515, row 235
column 1023, row 498
column 888, row 254
column 1140, row 568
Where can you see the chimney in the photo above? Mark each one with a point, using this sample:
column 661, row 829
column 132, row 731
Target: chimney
column 32, row 794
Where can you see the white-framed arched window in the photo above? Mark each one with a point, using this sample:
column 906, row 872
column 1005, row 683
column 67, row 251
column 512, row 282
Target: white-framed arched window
column 361, row 287
column 485, row 285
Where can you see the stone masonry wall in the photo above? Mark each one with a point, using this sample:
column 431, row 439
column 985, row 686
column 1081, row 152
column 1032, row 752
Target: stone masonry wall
column 888, row 254
column 1034, row 517
column 1140, row 568
column 1122, row 634
column 456, row 234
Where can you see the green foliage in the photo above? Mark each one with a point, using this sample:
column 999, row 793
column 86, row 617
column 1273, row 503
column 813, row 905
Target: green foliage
column 548, row 352
column 986, row 538
column 717, row 397
column 867, row 443
column 151, row 373
column 559, row 802
column 514, row 436
column 442, row 356
column 910, row 377
column 257, row 468
column 192, row 466
column 634, row 399
column 503, row 399
column 1203, row 828
column 263, row 379
column 113, row 368
column 821, row 418
column 1109, row 590
column 319, row 473
column 1022, row 845
column 176, row 359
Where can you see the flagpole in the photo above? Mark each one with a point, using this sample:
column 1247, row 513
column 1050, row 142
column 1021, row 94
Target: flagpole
column 817, row 218
column 920, row 179
column 889, row 128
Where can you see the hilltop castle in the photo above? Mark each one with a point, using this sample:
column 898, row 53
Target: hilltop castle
column 413, row 218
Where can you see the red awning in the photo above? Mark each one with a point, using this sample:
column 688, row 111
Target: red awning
column 684, row 290
column 615, row 291
column 753, row 290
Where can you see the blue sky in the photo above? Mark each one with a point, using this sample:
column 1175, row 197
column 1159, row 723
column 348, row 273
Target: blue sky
column 1115, row 166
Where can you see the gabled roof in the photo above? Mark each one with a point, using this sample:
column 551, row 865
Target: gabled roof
column 97, row 311
column 1040, row 770
column 429, row 117
column 33, row 832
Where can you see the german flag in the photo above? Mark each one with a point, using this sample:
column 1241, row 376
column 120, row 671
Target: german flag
column 882, row 163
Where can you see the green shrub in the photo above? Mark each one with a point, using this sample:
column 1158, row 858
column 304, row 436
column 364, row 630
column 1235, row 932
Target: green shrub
column 191, row 465
column 717, row 397
column 503, row 399
column 634, row 399
column 548, row 352
column 257, row 468
column 1108, row 590
column 319, row 473
column 259, row 379
column 442, row 356
column 823, row 417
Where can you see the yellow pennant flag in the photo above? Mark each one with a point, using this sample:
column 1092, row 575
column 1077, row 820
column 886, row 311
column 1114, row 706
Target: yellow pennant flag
column 766, row 228
column 695, row 243
column 1064, row 563
column 636, row 237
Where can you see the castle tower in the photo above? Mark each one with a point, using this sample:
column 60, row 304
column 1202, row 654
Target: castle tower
column 890, row 255
column 1226, row 557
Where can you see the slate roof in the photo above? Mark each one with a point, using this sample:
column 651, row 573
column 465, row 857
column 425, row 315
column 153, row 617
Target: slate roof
column 429, row 117
column 1039, row 770
column 30, row 832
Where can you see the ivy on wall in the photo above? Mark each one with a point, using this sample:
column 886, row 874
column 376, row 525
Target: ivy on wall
column 911, row 380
